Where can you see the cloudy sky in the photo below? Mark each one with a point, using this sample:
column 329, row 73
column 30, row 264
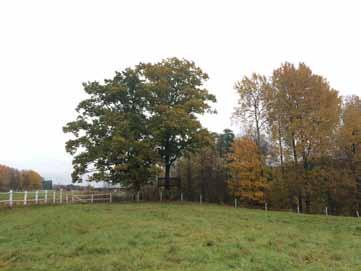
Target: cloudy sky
column 48, row 48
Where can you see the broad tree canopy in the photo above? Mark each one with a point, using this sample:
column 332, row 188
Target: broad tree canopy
column 143, row 117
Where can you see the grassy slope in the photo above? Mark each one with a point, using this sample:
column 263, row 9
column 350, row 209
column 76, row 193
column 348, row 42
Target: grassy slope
column 174, row 237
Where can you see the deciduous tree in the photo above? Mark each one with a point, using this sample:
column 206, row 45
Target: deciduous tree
column 177, row 97
column 252, row 103
column 245, row 167
column 112, row 135
column 310, row 115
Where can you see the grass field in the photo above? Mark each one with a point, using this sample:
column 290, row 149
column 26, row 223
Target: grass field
column 174, row 237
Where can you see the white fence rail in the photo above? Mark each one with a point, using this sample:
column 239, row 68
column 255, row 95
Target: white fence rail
column 42, row 197
column 56, row 197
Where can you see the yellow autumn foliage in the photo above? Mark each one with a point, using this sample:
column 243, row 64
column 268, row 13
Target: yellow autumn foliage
column 246, row 180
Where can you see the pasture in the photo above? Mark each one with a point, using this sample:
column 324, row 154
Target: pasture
column 174, row 236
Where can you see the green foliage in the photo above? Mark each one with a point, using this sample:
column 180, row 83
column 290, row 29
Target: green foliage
column 112, row 140
column 224, row 142
column 141, row 117
column 144, row 121
column 177, row 97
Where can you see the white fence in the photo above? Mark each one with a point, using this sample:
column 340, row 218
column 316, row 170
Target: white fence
column 52, row 197
column 24, row 198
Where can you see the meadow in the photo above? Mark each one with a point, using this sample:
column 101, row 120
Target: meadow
column 174, row 236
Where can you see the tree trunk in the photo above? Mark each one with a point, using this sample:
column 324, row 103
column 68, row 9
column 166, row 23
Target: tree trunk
column 258, row 132
column 306, row 183
column 308, row 204
column 294, row 150
column 280, row 146
column 189, row 176
column 167, row 176
column 295, row 159
column 203, row 177
column 300, row 204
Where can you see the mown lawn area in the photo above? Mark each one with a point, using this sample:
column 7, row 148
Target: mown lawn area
column 170, row 236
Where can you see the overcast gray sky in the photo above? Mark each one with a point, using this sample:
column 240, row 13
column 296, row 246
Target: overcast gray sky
column 48, row 48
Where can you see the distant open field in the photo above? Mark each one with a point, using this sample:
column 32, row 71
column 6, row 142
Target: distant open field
column 150, row 236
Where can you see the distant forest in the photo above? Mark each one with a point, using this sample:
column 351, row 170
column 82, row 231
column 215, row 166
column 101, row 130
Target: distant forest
column 13, row 179
column 300, row 148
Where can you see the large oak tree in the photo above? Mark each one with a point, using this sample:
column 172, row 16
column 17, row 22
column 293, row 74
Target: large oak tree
column 143, row 117
column 112, row 141
column 177, row 97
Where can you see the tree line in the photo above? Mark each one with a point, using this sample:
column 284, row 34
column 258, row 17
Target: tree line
column 13, row 179
column 299, row 149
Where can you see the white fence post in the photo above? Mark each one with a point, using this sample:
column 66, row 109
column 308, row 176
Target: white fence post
column 36, row 197
column 46, row 196
column 66, row 197
column 61, row 196
column 298, row 209
column 266, row 206
column 54, row 197
column 25, row 197
column 11, row 198
column 110, row 197
column 92, row 198
column 200, row 199
column 326, row 211
column 357, row 213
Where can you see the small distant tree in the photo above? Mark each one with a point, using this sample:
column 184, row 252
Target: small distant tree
column 224, row 142
column 246, row 180
column 30, row 179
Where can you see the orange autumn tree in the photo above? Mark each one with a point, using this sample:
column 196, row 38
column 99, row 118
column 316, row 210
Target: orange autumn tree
column 246, row 180
column 31, row 179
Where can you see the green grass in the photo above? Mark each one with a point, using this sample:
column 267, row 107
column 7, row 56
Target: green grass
column 174, row 237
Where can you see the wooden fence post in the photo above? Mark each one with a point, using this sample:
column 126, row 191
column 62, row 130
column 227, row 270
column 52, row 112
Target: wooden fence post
column 160, row 195
column 266, row 206
column 72, row 196
column 235, row 203
column 25, row 197
column 92, row 198
column 110, row 197
column 36, row 197
column 46, row 196
column 200, row 198
column 181, row 196
column 298, row 209
column 11, row 198
column 54, row 197
column 138, row 196
column 326, row 211
column 61, row 196
column 66, row 197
